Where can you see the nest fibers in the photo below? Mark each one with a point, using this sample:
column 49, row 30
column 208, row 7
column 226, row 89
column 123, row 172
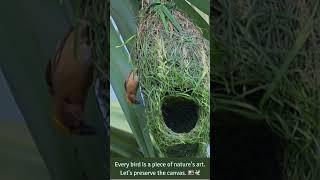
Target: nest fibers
column 96, row 14
column 173, row 70
column 273, row 73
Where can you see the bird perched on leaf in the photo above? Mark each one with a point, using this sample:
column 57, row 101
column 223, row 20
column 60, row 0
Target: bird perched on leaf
column 69, row 77
column 131, row 86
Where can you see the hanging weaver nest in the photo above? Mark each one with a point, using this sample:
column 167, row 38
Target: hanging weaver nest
column 173, row 70
column 95, row 13
column 272, row 72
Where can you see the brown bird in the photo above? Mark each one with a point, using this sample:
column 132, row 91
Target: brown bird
column 131, row 87
column 69, row 80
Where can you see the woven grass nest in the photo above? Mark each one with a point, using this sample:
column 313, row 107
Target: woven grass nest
column 173, row 70
column 95, row 14
column 272, row 73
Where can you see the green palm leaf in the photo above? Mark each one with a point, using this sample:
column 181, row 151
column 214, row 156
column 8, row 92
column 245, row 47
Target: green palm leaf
column 119, row 62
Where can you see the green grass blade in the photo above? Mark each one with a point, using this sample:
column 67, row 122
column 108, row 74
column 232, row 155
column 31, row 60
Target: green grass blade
column 126, row 42
column 300, row 40
column 124, row 13
column 163, row 19
column 203, row 5
column 166, row 11
column 245, row 109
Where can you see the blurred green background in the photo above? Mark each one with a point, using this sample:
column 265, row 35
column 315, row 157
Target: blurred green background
column 19, row 157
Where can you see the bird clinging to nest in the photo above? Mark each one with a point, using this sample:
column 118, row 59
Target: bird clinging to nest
column 131, row 86
column 69, row 76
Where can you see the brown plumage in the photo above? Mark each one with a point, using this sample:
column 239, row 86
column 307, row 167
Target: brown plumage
column 131, row 86
column 69, row 80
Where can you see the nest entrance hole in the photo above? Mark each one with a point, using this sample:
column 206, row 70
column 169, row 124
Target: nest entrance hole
column 180, row 114
column 246, row 149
